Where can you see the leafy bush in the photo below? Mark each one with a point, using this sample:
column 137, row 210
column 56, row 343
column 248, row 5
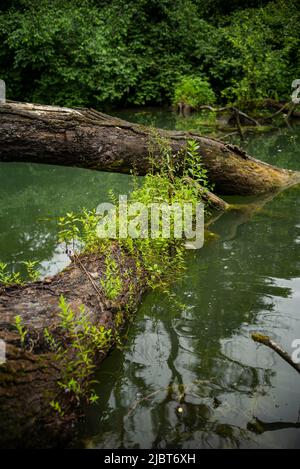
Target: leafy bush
column 193, row 91
column 262, row 44
column 87, row 52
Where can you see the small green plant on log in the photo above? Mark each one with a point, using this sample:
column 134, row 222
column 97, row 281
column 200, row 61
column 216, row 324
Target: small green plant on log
column 193, row 165
column 88, row 225
column 57, row 407
column 21, row 329
column 69, row 230
column 9, row 278
column 176, row 179
column 82, row 340
column 32, row 271
column 80, row 230
column 111, row 282
column 14, row 278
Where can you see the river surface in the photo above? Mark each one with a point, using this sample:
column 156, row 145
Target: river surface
column 189, row 375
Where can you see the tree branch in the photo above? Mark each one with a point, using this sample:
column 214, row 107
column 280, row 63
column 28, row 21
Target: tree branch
column 266, row 340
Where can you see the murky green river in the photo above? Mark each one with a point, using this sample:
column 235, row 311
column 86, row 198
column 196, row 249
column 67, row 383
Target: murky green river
column 189, row 375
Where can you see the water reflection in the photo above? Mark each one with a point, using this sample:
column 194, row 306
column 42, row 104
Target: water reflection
column 233, row 392
column 32, row 197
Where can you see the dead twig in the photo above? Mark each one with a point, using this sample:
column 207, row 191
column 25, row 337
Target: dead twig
column 88, row 275
column 235, row 110
column 265, row 340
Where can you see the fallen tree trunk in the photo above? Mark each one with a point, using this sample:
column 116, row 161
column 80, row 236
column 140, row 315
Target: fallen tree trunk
column 89, row 139
column 29, row 378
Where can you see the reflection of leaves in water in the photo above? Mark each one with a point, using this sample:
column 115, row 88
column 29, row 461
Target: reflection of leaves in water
column 34, row 196
column 196, row 426
column 280, row 148
column 242, row 279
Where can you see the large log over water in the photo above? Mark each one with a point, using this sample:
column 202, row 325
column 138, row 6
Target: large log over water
column 90, row 139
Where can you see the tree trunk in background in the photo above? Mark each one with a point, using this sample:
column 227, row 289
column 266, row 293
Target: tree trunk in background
column 89, row 139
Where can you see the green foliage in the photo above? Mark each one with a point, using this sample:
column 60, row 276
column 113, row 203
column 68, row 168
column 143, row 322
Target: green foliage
column 84, row 340
column 111, row 282
column 32, row 272
column 93, row 398
column 69, row 229
column 66, row 314
column 163, row 257
column 262, row 43
column 176, row 182
column 74, row 52
column 9, row 278
column 14, row 278
column 193, row 165
column 89, row 221
column 194, row 91
column 21, row 329
column 50, row 340
column 57, row 407
column 76, row 340
column 80, row 230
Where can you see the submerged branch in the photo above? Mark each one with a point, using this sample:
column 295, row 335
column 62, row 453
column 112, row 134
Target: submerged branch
column 266, row 340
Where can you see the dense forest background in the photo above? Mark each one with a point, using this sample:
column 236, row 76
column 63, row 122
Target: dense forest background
column 137, row 52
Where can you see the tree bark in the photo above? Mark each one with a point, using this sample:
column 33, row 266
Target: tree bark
column 29, row 378
column 90, row 139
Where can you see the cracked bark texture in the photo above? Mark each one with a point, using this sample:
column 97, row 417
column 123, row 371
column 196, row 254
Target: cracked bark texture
column 28, row 379
column 90, row 139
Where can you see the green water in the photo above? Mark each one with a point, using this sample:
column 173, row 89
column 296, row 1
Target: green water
column 194, row 354
column 33, row 197
column 203, row 122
